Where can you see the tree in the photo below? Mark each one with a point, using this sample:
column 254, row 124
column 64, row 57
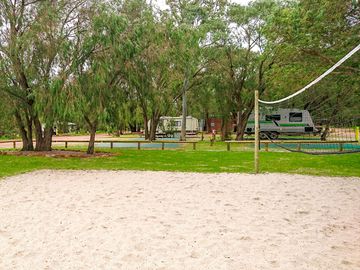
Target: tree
column 241, row 56
column 310, row 37
column 150, row 72
column 190, row 22
column 38, row 46
column 96, row 87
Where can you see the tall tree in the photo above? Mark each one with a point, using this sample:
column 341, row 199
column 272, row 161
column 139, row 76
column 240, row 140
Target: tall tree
column 96, row 87
column 38, row 46
column 310, row 37
column 190, row 20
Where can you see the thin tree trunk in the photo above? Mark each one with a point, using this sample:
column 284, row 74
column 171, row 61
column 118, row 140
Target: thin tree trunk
column 184, row 109
column 224, row 128
column 241, row 125
column 207, row 129
column 26, row 135
column 146, row 127
column 91, row 146
column 153, row 125
column 92, row 129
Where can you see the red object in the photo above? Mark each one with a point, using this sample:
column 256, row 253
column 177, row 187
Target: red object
column 214, row 123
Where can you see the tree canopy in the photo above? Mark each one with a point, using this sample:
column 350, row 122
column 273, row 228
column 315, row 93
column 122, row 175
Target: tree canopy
column 122, row 64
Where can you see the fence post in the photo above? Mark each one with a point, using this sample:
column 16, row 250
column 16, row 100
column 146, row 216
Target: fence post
column 266, row 147
column 111, row 145
column 162, row 146
column 138, row 145
column 228, row 146
column 357, row 134
column 66, row 144
column 257, row 130
column 14, row 144
column 341, row 145
column 194, row 145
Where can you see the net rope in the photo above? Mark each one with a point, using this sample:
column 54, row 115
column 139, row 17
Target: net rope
column 317, row 122
column 322, row 76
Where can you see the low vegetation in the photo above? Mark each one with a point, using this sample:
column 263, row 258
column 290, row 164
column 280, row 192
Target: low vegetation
column 186, row 160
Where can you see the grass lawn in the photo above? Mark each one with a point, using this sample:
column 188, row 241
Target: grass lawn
column 186, row 160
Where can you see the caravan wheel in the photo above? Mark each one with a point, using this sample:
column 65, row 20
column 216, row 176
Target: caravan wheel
column 274, row 135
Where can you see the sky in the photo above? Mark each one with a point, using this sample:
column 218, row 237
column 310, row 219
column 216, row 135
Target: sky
column 161, row 3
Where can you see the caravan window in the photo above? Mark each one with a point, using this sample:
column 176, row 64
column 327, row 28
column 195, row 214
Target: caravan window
column 273, row 117
column 177, row 123
column 295, row 117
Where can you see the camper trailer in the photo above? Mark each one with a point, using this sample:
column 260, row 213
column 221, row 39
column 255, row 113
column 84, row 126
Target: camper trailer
column 282, row 121
column 171, row 125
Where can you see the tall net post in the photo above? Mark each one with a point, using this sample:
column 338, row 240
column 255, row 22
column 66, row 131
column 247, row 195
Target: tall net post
column 257, row 131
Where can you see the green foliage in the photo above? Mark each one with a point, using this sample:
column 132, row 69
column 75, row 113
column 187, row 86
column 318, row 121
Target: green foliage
column 309, row 38
column 121, row 63
column 192, row 161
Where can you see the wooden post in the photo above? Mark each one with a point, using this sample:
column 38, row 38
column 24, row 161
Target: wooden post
column 111, row 145
column 228, row 146
column 138, row 145
column 257, row 130
column 162, row 146
column 266, row 147
column 66, row 144
column 194, row 145
column 14, row 144
column 298, row 147
column 357, row 134
column 341, row 145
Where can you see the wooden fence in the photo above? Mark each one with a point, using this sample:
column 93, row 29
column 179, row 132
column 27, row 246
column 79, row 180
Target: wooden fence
column 111, row 143
column 163, row 143
column 298, row 143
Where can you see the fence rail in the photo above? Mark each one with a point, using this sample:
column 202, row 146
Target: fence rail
column 163, row 143
column 299, row 143
column 111, row 142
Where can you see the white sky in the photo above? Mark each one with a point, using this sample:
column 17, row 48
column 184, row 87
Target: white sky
column 161, row 3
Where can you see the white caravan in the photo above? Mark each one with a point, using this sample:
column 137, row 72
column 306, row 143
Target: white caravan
column 282, row 121
column 173, row 124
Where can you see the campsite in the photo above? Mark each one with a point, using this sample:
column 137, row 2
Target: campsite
column 180, row 134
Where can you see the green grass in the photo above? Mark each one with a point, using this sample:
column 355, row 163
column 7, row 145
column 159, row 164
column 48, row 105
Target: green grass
column 186, row 160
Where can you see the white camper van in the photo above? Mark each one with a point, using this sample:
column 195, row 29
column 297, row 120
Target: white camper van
column 169, row 124
column 282, row 121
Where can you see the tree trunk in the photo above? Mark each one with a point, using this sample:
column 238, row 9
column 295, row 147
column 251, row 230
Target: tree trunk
column 241, row 124
column 26, row 134
column 91, row 146
column 153, row 125
column 184, row 110
column 325, row 133
column 183, row 121
column 132, row 127
column 92, row 129
column 146, row 127
column 224, row 128
column 207, row 128
column 43, row 137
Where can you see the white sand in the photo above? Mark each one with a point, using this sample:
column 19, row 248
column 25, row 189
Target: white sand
column 161, row 220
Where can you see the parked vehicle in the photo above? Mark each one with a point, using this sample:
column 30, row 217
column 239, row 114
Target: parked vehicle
column 283, row 121
column 169, row 125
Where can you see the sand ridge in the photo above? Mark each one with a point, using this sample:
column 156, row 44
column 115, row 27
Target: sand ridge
column 167, row 220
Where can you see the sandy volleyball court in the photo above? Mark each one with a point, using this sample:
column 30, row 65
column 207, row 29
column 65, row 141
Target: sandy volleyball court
column 162, row 220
